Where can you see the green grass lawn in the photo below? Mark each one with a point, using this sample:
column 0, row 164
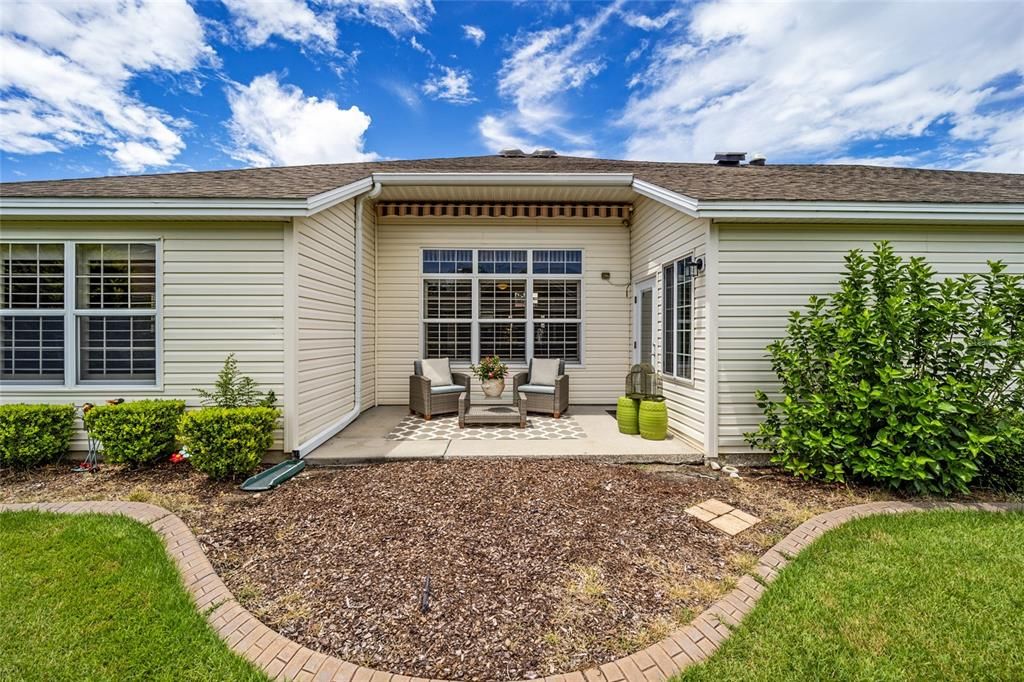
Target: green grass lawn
column 930, row 596
column 90, row 597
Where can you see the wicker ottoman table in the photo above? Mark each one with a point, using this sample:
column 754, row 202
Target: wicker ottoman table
column 492, row 414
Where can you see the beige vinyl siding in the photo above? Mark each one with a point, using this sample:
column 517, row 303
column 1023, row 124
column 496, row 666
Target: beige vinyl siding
column 605, row 245
column 661, row 235
column 369, row 371
column 766, row 271
column 222, row 291
column 324, row 318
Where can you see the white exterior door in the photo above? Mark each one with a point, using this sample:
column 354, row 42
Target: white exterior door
column 643, row 322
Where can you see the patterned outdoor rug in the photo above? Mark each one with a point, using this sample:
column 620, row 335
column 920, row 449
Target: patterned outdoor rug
column 538, row 427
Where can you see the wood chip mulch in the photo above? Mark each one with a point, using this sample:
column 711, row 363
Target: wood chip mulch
column 534, row 567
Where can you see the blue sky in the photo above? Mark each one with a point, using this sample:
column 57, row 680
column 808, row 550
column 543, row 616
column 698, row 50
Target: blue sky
column 98, row 87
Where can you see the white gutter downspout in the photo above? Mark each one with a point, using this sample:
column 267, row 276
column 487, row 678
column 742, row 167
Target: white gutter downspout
column 336, row 427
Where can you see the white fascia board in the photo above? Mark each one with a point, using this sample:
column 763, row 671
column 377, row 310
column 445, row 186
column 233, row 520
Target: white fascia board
column 873, row 211
column 335, row 196
column 191, row 208
column 681, row 202
column 524, row 179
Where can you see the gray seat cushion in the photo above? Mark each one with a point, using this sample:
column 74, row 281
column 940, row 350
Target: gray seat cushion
column 544, row 372
column 437, row 371
column 451, row 388
column 533, row 388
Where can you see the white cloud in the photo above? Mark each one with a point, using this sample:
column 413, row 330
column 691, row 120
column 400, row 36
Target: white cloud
column 275, row 124
column 792, row 82
column 544, row 66
column 474, row 34
column 419, row 47
column 451, row 86
column 646, row 23
column 292, row 20
column 395, row 16
column 74, row 62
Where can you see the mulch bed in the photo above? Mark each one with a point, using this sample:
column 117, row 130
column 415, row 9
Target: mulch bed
column 535, row 567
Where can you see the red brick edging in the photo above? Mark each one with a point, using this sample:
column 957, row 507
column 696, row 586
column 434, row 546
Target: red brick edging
column 282, row 659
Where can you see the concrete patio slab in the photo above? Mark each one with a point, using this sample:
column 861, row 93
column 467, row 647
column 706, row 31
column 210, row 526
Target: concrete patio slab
column 365, row 440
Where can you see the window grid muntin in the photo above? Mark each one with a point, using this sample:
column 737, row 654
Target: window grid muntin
column 109, row 353
column 31, row 288
column 678, row 322
column 557, row 340
column 669, row 322
column 502, row 262
column 507, row 340
column 134, row 273
column 69, row 315
column 40, row 362
column 531, row 278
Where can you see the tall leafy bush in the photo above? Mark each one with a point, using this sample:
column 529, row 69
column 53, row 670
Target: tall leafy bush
column 34, row 434
column 135, row 432
column 899, row 378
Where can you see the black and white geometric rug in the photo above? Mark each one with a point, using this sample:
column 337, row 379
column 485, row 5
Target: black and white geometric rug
column 538, row 427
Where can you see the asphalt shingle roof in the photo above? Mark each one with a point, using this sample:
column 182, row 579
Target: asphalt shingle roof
column 702, row 181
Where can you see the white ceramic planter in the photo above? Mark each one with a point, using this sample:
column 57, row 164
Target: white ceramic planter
column 493, row 388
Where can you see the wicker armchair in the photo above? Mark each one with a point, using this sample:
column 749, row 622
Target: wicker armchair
column 549, row 399
column 428, row 400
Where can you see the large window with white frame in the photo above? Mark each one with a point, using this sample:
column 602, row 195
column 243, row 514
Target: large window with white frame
column 78, row 313
column 677, row 319
column 514, row 303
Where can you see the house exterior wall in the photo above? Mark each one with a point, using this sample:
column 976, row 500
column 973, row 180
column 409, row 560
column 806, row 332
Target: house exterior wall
column 221, row 292
column 324, row 317
column 661, row 235
column 768, row 270
column 606, row 312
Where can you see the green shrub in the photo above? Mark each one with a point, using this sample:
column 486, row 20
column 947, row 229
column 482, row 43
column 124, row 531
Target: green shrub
column 899, row 378
column 225, row 442
column 34, row 434
column 234, row 389
column 1005, row 469
column 135, row 432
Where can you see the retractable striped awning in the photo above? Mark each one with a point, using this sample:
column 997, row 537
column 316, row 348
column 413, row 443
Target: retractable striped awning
column 397, row 209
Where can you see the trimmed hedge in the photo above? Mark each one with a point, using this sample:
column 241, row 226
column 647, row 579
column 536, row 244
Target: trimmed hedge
column 226, row 442
column 136, row 432
column 34, row 434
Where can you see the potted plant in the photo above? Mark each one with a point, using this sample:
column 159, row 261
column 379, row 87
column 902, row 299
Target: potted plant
column 491, row 371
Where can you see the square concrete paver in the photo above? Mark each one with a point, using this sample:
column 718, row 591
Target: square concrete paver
column 716, row 506
column 701, row 513
column 722, row 516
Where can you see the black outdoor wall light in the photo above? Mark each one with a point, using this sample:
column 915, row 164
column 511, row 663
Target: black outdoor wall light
column 692, row 268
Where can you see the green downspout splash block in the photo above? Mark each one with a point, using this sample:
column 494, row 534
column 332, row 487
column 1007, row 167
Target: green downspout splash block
column 274, row 476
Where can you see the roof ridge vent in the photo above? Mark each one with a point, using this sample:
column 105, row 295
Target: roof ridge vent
column 509, row 152
column 544, row 153
column 730, row 158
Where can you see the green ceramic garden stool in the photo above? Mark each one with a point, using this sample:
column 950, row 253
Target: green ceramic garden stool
column 653, row 419
column 627, row 415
